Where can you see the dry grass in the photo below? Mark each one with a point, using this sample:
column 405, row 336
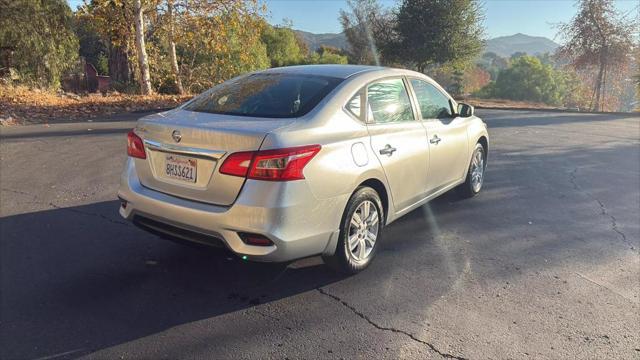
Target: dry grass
column 22, row 106
column 509, row 104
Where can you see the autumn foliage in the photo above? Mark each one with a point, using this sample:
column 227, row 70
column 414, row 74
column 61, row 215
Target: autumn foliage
column 22, row 105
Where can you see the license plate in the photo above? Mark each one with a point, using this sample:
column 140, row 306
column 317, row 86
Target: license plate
column 181, row 168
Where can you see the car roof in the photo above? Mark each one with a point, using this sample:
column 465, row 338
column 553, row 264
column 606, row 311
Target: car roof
column 333, row 70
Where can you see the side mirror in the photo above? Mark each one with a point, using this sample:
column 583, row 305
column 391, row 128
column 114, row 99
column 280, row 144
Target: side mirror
column 465, row 110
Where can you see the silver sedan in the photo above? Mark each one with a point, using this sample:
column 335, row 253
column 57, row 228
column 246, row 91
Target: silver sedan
column 300, row 161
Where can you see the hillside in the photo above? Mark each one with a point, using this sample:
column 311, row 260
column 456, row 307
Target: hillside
column 314, row 41
column 505, row 46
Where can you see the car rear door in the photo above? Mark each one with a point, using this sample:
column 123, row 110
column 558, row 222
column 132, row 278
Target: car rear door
column 398, row 140
column 447, row 134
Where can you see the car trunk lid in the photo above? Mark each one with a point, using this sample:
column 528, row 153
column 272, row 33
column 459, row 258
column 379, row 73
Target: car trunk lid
column 185, row 150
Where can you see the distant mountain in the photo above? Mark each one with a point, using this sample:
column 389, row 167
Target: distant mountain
column 314, row 41
column 505, row 46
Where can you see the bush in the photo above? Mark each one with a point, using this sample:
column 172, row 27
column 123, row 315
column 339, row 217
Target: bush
column 282, row 46
column 528, row 79
column 328, row 55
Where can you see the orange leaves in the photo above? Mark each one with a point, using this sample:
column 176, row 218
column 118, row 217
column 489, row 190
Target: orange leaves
column 27, row 106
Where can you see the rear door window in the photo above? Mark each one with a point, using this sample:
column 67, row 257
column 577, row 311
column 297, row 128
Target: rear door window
column 388, row 102
column 265, row 95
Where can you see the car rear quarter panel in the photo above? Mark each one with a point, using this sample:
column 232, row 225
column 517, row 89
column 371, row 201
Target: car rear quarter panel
column 345, row 160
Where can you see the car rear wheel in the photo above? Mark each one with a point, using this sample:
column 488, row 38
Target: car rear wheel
column 360, row 231
column 475, row 175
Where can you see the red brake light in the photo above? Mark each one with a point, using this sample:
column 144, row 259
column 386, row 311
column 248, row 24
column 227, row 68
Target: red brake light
column 237, row 164
column 135, row 146
column 282, row 164
column 271, row 165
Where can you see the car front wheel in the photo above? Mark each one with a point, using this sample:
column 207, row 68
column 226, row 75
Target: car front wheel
column 475, row 175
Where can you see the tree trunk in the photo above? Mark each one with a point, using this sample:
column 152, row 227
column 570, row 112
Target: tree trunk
column 598, row 85
column 172, row 49
column 143, row 62
column 119, row 65
column 604, row 88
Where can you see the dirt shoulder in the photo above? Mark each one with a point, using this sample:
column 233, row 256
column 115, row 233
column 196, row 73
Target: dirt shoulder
column 23, row 106
column 511, row 104
column 503, row 104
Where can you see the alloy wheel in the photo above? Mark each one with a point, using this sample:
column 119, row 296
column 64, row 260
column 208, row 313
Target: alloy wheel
column 477, row 170
column 363, row 230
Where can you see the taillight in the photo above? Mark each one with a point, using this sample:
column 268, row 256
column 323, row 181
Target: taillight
column 272, row 165
column 282, row 164
column 135, row 147
column 237, row 164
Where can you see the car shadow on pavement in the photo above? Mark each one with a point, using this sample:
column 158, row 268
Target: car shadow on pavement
column 80, row 277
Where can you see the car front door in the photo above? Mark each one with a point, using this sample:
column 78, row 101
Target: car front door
column 398, row 140
column 446, row 132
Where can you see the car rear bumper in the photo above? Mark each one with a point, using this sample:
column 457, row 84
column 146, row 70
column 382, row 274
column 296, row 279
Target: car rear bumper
column 298, row 224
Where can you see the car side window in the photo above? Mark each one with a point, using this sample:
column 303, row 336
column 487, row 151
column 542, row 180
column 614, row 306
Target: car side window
column 388, row 102
column 353, row 106
column 432, row 102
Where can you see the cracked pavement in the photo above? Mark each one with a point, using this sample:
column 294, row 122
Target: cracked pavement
column 543, row 264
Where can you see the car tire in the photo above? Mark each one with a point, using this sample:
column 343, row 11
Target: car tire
column 475, row 174
column 358, row 240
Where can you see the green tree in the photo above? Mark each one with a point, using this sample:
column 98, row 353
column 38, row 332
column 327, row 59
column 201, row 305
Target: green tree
column 113, row 20
column 217, row 40
column 190, row 44
column 493, row 63
column 282, row 46
column 38, row 39
column 517, row 54
column 92, row 47
column 429, row 32
column 530, row 80
column 328, row 55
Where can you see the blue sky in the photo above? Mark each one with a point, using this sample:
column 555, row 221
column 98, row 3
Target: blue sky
column 503, row 17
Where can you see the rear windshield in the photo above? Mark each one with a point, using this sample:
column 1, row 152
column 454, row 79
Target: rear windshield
column 265, row 95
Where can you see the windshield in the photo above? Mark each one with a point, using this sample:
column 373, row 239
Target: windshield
column 265, row 95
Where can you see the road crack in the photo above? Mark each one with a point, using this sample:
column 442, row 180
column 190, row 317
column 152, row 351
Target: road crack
column 384, row 328
column 603, row 209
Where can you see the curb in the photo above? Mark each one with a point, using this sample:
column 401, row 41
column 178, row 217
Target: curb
column 635, row 113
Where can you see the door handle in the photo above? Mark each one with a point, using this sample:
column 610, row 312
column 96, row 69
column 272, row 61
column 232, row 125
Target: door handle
column 435, row 140
column 388, row 150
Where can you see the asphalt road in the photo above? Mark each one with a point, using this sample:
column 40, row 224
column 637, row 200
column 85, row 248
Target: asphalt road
column 543, row 264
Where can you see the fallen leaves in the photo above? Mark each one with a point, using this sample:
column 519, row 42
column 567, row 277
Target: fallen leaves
column 20, row 105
